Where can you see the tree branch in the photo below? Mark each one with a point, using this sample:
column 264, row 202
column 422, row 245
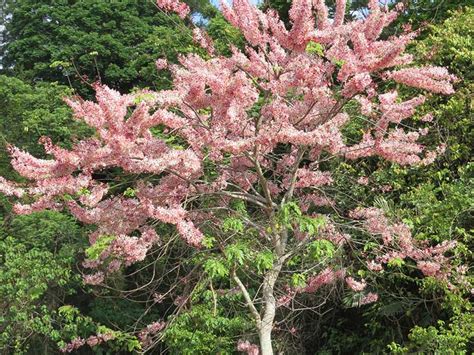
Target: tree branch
column 249, row 301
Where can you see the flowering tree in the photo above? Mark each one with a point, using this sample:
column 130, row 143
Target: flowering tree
column 245, row 176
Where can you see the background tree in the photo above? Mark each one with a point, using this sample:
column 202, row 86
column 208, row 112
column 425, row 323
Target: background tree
column 38, row 253
column 114, row 42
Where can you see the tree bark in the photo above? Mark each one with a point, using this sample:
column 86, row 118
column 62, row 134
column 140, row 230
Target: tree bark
column 266, row 325
column 266, row 347
column 265, row 331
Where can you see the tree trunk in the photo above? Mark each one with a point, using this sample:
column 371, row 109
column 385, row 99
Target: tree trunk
column 266, row 325
column 265, row 335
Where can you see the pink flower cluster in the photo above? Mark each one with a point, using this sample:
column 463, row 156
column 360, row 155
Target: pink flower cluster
column 76, row 343
column 247, row 347
column 354, row 285
column 434, row 79
column 123, row 250
column 176, row 6
column 92, row 341
column 285, row 299
column 98, row 339
column 161, row 64
column 146, row 335
column 398, row 243
column 369, row 298
column 307, row 178
column 202, row 38
column 10, row 189
column 429, row 268
column 325, row 277
column 94, row 279
column 363, row 180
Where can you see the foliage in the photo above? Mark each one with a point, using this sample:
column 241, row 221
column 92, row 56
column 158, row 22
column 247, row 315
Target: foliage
column 36, row 276
column 115, row 42
column 224, row 35
column 202, row 330
column 455, row 338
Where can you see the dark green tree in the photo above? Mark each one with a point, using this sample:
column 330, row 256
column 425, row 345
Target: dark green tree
column 37, row 257
column 74, row 42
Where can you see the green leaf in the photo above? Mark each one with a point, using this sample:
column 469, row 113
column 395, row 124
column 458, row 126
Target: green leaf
column 208, row 241
column 298, row 280
column 311, row 225
column 289, row 212
column 233, row 224
column 215, row 268
column 129, row 192
column 236, row 253
column 96, row 249
column 396, row 262
column 264, row 261
column 315, row 48
column 321, row 248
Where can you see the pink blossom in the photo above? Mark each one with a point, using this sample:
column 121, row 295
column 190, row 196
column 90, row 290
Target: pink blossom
column 94, row 279
column 369, row 298
column 398, row 243
column 203, row 39
column 427, row 118
column 307, row 178
column 357, row 84
column 428, row 268
column 331, row 233
column 317, row 200
column 93, row 341
column 363, row 180
column 247, row 347
column 9, row 188
column 176, row 6
column 129, row 248
column 303, row 22
column 106, row 336
column 114, row 266
column 373, row 266
column 433, row 79
column 155, row 327
column 322, row 13
column 366, row 105
column 190, row 233
column 325, row 277
column 340, row 12
column 285, row 300
column 75, row 344
column 161, row 63
column 147, row 333
column 355, row 285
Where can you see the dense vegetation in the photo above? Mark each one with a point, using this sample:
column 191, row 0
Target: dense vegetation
column 58, row 48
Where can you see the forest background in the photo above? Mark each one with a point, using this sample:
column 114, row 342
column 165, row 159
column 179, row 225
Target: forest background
column 51, row 49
